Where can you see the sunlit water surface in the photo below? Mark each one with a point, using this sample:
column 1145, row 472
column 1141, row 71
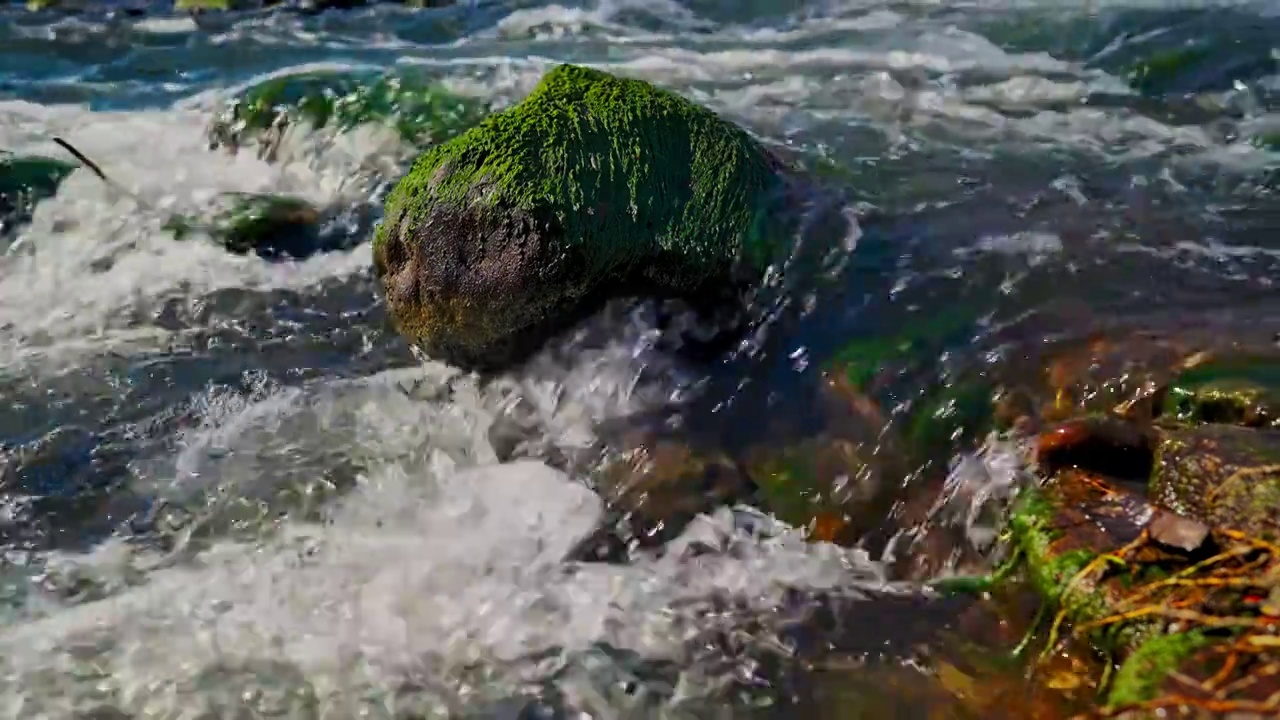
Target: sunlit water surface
column 230, row 485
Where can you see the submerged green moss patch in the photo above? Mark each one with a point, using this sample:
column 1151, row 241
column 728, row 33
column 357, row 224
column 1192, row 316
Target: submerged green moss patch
column 1054, row 571
column 270, row 226
column 1238, row 391
column 1140, row 676
column 422, row 112
column 1163, row 69
column 623, row 169
column 1030, row 520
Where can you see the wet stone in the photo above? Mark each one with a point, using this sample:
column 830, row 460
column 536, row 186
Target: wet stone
column 1178, row 532
column 276, row 227
column 659, row 487
column 1235, row 390
column 1106, row 445
column 1225, row 475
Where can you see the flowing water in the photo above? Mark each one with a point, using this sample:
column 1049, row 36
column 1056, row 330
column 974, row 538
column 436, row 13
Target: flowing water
column 232, row 491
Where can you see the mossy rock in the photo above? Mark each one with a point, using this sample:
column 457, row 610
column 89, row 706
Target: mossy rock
column 1240, row 390
column 831, row 486
column 659, row 486
column 198, row 6
column 592, row 187
column 25, row 181
column 273, row 227
column 423, row 113
column 1226, row 475
column 1198, row 675
column 1110, row 567
column 1064, row 530
column 1179, row 581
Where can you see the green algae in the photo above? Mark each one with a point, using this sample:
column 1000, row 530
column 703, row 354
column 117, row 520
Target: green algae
column 207, row 5
column 624, row 170
column 1030, row 521
column 1224, row 475
column 797, row 483
column 979, row 584
column 247, row 223
column 1142, row 673
column 1160, row 70
column 861, row 360
column 959, row 411
column 1237, row 391
column 1080, row 585
column 422, row 113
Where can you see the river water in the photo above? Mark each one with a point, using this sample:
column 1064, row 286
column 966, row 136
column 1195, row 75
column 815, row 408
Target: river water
column 232, row 491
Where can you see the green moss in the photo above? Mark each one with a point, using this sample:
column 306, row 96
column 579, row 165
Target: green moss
column 268, row 225
column 421, row 112
column 961, row 410
column 1163, row 69
column 796, row 483
column 625, row 170
column 1049, row 569
column 1142, row 673
column 1240, row 391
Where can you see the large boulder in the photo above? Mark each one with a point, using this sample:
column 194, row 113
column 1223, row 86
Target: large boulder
column 592, row 187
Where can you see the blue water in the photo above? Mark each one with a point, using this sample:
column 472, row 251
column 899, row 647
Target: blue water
column 228, row 483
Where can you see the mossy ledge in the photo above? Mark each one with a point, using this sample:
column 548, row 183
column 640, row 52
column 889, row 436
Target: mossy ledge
column 592, row 187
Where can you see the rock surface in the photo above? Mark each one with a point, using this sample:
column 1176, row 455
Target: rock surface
column 275, row 227
column 1167, row 566
column 592, row 187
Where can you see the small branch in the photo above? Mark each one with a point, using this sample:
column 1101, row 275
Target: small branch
column 81, row 157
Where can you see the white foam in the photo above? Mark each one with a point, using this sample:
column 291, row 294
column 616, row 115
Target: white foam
column 415, row 578
column 93, row 257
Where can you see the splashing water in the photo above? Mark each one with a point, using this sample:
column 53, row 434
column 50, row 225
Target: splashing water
column 230, row 488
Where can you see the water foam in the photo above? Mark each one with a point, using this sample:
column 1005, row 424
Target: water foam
column 93, row 258
column 439, row 563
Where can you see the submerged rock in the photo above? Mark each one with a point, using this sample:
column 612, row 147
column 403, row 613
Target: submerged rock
column 422, row 113
column 25, row 181
column 1166, row 564
column 276, row 227
column 224, row 5
column 592, row 187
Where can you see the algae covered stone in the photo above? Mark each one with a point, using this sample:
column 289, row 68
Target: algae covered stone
column 1180, row 586
column 273, row 227
column 1223, row 474
column 592, row 187
column 421, row 111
